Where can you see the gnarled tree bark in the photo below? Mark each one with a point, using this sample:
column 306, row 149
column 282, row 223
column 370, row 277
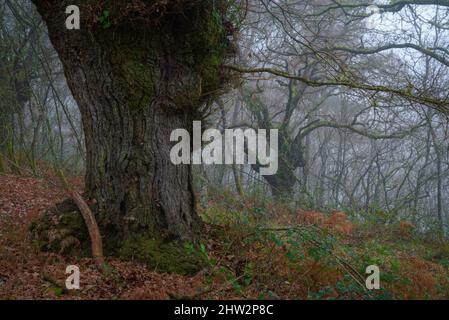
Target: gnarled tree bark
column 137, row 77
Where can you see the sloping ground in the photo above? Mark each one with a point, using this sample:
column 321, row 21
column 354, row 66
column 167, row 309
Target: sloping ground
column 277, row 252
column 26, row 273
column 255, row 250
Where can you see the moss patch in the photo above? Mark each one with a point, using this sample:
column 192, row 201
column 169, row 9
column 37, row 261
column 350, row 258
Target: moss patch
column 62, row 230
column 163, row 256
column 176, row 57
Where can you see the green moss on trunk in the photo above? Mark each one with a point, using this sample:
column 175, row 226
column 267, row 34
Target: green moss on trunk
column 62, row 230
column 139, row 70
column 163, row 256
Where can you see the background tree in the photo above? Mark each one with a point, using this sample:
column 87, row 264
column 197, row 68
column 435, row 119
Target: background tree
column 39, row 120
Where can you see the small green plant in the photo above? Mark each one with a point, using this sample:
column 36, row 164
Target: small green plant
column 198, row 250
column 320, row 294
column 104, row 19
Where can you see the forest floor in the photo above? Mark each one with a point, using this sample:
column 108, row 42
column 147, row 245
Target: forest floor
column 255, row 250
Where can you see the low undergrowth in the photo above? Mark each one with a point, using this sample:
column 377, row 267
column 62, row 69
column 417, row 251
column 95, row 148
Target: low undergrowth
column 268, row 251
column 250, row 249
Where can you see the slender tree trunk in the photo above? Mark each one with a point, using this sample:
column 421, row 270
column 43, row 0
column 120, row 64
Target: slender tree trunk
column 235, row 172
column 439, row 181
column 304, row 188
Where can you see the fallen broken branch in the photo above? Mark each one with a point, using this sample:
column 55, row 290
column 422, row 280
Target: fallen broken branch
column 89, row 219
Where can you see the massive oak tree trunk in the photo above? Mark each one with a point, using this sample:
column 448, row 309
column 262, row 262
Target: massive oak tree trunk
column 138, row 73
